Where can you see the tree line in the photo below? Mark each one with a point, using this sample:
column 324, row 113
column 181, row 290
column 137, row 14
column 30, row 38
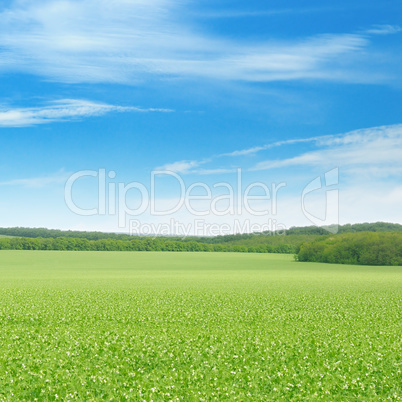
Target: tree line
column 258, row 237
column 366, row 243
column 363, row 248
column 140, row 244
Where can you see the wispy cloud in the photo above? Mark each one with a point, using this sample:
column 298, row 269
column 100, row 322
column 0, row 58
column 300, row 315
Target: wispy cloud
column 193, row 167
column 127, row 41
column 244, row 13
column 180, row 167
column 187, row 167
column 39, row 182
column 251, row 13
column 372, row 151
column 375, row 150
column 384, row 29
column 254, row 150
column 61, row 110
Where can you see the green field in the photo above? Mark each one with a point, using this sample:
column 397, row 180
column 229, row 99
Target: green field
column 196, row 326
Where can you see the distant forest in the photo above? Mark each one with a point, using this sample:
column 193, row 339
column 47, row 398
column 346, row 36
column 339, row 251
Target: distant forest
column 138, row 244
column 364, row 243
column 364, row 248
column 305, row 230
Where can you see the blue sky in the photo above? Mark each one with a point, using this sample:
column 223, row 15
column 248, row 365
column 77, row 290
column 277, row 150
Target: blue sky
column 285, row 91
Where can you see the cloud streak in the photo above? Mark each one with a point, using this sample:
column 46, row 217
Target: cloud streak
column 129, row 41
column 373, row 150
column 254, row 150
column 384, row 29
column 38, row 182
column 180, row 167
column 370, row 151
column 62, row 110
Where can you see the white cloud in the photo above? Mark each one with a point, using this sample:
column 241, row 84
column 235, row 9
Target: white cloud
column 254, row 150
column 126, row 41
column 370, row 152
column 384, row 29
column 373, row 150
column 39, row 182
column 186, row 167
column 181, row 167
column 230, row 13
column 61, row 110
column 193, row 167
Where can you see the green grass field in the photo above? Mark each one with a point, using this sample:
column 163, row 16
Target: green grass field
column 196, row 326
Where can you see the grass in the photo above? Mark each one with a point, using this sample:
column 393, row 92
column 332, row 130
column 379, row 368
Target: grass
column 196, row 326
